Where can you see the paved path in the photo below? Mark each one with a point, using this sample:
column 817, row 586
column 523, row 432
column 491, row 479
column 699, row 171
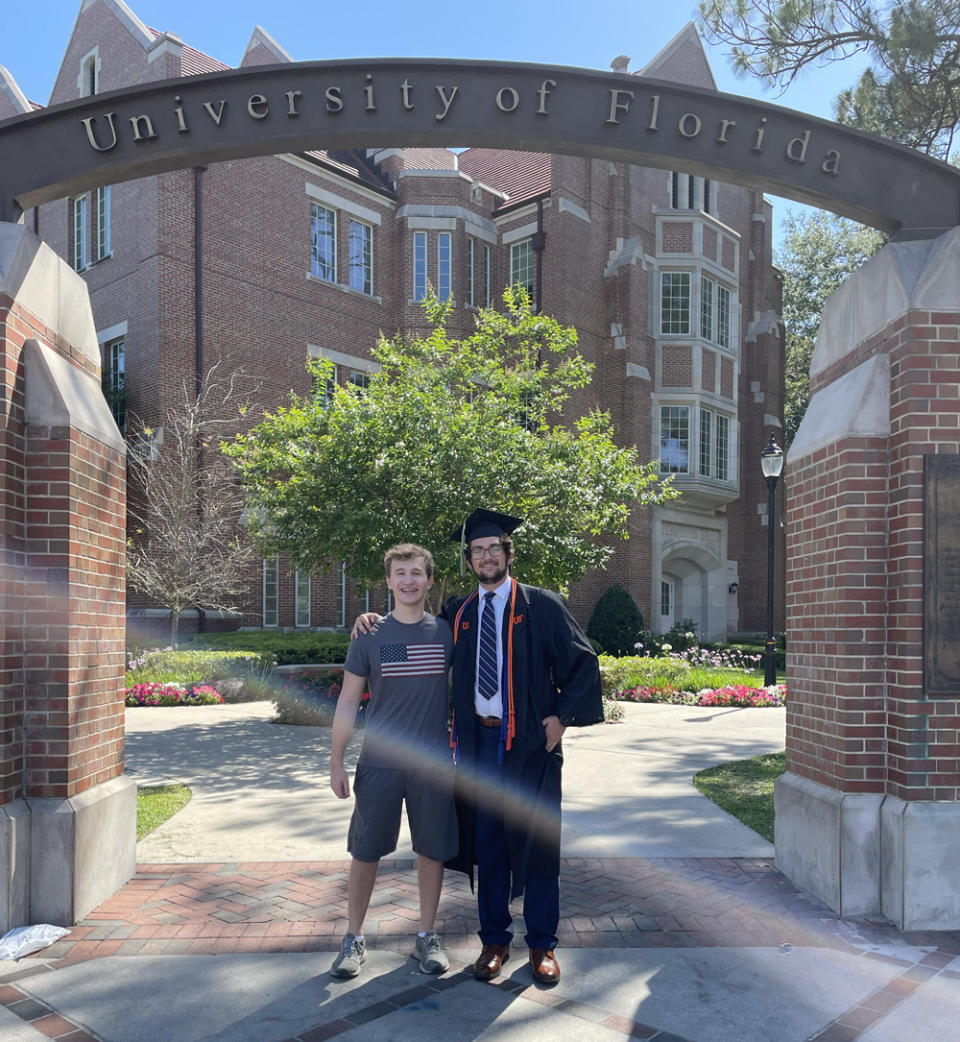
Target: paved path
column 676, row 924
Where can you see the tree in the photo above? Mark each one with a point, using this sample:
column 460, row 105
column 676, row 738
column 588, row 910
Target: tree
column 819, row 251
column 444, row 427
column 187, row 548
column 911, row 89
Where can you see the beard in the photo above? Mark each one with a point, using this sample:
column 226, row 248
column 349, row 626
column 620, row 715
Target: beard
column 495, row 574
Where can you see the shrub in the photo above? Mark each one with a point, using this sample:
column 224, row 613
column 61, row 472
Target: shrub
column 172, row 695
column 669, row 671
column 311, row 699
column 616, row 623
column 735, row 695
column 287, row 649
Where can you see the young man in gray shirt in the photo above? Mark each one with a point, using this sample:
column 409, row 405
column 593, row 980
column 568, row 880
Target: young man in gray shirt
column 405, row 756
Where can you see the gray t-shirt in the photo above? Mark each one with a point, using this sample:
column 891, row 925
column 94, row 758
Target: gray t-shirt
column 406, row 664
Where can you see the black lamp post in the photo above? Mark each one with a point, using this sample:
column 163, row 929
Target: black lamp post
column 771, row 460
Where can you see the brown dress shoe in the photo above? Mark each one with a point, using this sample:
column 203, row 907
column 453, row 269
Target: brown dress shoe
column 544, row 965
column 491, row 960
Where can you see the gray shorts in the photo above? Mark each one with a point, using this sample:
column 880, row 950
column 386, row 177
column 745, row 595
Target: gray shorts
column 379, row 793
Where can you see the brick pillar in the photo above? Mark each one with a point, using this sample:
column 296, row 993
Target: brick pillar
column 67, row 814
column 868, row 813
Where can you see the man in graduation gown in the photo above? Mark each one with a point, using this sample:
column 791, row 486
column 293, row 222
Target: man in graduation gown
column 523, row 671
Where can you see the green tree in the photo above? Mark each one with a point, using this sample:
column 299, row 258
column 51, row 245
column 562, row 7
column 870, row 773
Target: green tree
column 910, row 90
column 446, row 426
column 819, row 251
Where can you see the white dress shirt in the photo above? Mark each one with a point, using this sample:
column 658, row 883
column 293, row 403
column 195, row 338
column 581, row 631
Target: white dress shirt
column 491, row 706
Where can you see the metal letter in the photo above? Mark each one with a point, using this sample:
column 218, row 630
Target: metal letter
column 405, row 89
column 616, row 104
column 334, row 99
column 447, row 102
column 725, row 125
column 757, row 145
column 292, row 96
column 802, row 141
column 181, row 122
column 145, row 122
column 513, row 93
column 697, row 125
column 542, row 91
column 215, row 116
column 88, row 127
column 831, row 163
column 368, row 90
column 258, row 101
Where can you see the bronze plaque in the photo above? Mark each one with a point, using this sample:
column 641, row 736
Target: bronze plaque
column 941, row 576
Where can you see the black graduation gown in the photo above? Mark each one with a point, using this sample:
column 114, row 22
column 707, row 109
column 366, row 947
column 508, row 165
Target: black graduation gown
column 555, row 673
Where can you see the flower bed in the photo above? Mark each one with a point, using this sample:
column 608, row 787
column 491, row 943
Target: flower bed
column 310, row 697
column 734, row 695
column 172, row 695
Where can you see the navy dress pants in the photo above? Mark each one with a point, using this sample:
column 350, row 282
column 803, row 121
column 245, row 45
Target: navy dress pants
column 541, row 897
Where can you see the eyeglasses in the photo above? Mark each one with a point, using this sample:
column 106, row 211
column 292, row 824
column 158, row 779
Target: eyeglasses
column 477, row 553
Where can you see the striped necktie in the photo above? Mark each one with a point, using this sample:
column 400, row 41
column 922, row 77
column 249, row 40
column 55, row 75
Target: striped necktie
column 487, row 673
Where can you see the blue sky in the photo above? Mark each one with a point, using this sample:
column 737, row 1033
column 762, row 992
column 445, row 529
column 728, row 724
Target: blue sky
column 554, row 32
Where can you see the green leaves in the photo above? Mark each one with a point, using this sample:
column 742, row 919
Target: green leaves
column 446, row 426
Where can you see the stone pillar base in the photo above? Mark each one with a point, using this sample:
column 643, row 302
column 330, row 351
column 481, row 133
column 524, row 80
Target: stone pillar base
column 828, row 842
column 82, row 850
column 14, row 865
column 868, row 854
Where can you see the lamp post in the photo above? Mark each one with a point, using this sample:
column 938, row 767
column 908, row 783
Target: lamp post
column 771, row 460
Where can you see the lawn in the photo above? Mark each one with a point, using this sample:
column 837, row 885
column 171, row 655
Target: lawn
column 744, row 788
column 157, row 803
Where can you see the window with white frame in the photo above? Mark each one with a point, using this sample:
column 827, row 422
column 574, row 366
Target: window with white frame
column 102, row 199
column 485, row 277
column 302, row 596
column 706, row 442
column 113, row 380
column 675, row 303
column 271, row 591
column 521, row 265
column 715, row 309
column 444, row 266
column 89, row 77
column 79, row 217
column 419, row 265
column 325, row 386
column 723, row 316
column 722, row 453
column 714, row 445
column 358, row 378
column 674, row 439
column 361, row 257
column 706, row 308
column 471, row 261
column 323, row 243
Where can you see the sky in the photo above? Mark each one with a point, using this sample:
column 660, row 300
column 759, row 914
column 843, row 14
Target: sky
column 553, row 32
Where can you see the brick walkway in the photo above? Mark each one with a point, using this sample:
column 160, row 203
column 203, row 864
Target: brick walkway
column 265, row 907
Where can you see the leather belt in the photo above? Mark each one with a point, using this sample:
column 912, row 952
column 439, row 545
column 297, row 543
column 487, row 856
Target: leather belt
column 488, row 721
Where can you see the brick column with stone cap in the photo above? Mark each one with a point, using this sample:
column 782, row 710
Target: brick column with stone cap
column 868, row 813
column 67, row 814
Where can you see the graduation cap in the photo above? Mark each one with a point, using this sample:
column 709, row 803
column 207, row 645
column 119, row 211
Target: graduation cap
column 482, row 523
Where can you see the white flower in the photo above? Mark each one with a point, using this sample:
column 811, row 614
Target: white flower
column 689, row 635
column 666, row 647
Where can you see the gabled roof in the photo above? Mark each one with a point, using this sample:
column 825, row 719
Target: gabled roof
column 682, row 60
column 519, row 175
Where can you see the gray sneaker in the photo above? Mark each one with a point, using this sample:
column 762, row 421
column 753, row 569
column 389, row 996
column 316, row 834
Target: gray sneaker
column 353, row 952
column 433, row 959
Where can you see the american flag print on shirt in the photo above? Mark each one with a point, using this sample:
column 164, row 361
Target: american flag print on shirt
column 412, row 660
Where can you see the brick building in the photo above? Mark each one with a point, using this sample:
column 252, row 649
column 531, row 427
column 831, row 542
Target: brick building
column 263, row 262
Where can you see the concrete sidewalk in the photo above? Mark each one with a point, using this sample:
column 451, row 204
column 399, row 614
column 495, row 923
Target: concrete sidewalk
column 676, row 926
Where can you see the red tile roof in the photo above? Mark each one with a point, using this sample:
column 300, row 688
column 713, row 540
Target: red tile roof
column 520, row 175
